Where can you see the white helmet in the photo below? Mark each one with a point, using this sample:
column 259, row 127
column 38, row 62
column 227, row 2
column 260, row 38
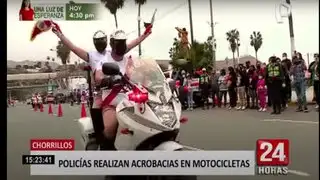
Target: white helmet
column 118, row 42
column 118, row 35
column 99, row 35
column 100, row 41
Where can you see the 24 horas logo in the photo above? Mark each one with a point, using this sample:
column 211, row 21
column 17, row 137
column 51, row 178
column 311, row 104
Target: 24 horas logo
column 272, row 156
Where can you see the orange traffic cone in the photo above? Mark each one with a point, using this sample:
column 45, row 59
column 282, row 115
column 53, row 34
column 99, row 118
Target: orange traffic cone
column 83, row 110
column 60, row 110
column 50, row 109
column 41, row 107
column 35, row 107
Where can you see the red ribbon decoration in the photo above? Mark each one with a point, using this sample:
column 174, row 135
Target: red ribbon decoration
column 42, row 26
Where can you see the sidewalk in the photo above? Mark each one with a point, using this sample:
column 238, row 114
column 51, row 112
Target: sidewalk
column 309, row 94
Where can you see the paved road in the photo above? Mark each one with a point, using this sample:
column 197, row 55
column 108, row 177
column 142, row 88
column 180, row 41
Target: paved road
column 218, row 129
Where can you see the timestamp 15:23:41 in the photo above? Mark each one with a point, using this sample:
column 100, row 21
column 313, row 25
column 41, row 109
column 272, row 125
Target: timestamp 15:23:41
column 38, row 159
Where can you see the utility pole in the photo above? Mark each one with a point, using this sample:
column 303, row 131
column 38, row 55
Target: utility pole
column 213, row 37
column 290, row 19
column 139, row 27
column 190, row 19
column 238, row 53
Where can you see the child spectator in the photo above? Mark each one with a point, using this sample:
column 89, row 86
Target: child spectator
column 261, row 91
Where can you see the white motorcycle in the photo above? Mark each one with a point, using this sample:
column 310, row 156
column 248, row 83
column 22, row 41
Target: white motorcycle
column 149, row 115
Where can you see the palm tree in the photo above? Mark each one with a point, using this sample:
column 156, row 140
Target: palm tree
column 113, row 6
column 63, row 52
column 139, row 3
column 256, row 42
column 233, row 37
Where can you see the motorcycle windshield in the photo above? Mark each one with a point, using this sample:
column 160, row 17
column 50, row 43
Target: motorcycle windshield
column 146, row 72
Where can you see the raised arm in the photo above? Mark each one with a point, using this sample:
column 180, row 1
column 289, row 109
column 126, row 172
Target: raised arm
column 76, row 50
column 178, row 29
column 141, row 38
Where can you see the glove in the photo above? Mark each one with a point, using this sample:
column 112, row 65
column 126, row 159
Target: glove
column 148, row 30
column 56, row 28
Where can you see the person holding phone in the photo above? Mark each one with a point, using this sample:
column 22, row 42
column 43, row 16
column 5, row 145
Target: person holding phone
column 26, row 13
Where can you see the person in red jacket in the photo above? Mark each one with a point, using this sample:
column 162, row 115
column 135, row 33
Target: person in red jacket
column 26, row 13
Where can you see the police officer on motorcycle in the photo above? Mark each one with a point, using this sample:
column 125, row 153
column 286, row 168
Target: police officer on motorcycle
column 275, row 80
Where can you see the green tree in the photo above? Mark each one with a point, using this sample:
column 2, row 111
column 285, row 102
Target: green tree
column 176, row 53
column 233, row 37
column 139, row 3
column 199, row 56
column 256, row 42
column 18, row 66
column 113, row 6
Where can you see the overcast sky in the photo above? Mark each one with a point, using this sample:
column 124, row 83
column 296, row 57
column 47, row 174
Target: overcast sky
column 245, row 15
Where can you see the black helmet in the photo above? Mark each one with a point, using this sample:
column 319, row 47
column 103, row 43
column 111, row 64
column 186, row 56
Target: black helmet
column 100, row 41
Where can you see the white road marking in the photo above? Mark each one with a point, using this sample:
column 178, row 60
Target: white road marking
column 298, row 173
column 290, row 121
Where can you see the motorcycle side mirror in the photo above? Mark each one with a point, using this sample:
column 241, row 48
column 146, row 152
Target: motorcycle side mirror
column 110, row 69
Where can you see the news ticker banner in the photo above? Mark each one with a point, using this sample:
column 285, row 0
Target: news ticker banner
column 57, row 157
column 142, row 163
column 69, row 12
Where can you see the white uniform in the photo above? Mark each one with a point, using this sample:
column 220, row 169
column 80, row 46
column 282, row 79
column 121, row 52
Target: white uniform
column 96, row 60
column 123, row 67
column 108, row 58
column 34, row 100
column 39, row 100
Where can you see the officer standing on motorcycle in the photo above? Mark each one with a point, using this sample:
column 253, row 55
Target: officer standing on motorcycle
column 275, row 80
column 204, row 88
column 119, row 48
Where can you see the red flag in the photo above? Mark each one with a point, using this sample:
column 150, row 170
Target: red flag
column 40, row 27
